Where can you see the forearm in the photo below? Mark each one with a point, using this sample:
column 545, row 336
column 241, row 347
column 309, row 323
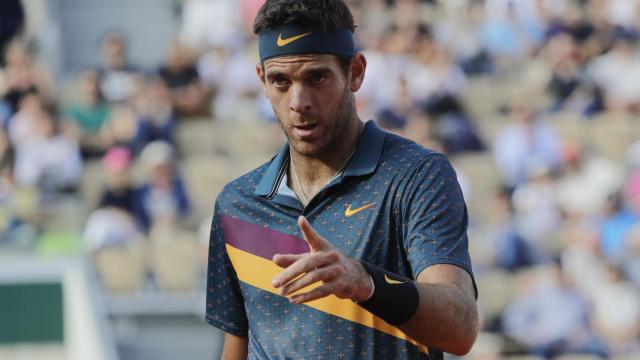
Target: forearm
column 235, row 347
column 438, row 310
column 446, row 319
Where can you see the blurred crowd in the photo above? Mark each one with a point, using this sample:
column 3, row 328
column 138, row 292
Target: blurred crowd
column 556, row 240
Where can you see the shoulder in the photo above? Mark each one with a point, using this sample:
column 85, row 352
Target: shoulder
column 404, row 153
column 243, row 187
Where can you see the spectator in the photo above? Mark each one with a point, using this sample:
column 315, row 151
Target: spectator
column 538, row 217
column 11, row 22
column 432, row 73
column 86, row 117
column 623, row 13
column 223, row 72
column 181, row 76
column 458, row 32
column 615, row 227
column 511, row 251
column 107, row 227
column 526, row 138
column 22, row 76
column 117, row 77
column 23, row 125
column 119, row 193
column 162, row 198
column 567, row 84
column 550, row 317
column 385, row 65
column 212, row 23
column 156, row 116
column 581, row 258
column 394, row 117
column 617, row 312
column 419, row 128
column 502, row 34
column 122, row 129
column 113, row 224
column 587, row 181
column 607, row 71
column 50, row 160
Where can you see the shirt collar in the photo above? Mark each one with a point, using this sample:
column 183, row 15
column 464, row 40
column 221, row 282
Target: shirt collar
column 368, row 151
column 363, row 162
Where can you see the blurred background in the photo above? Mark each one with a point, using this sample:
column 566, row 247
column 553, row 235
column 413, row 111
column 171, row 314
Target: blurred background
column 120, row 121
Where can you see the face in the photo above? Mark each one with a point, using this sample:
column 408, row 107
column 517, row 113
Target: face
column 89, row 83
column 312, row 99
column 113, row 50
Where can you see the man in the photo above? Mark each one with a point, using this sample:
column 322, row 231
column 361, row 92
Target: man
column 351, row 242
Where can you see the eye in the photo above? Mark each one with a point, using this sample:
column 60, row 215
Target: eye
column 318, row 78
column 280, row 81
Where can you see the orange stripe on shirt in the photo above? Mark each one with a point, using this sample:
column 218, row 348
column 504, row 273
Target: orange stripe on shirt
column 257, row 271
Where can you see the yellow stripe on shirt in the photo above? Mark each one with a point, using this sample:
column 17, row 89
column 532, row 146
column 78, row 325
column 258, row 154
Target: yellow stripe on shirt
column 257, row 271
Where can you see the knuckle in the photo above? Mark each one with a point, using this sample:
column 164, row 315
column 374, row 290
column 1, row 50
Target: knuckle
column 313, row 277
column 347, row 290
column 333, row 255
column 324, row 291
column 308, row 266
column 338, row 271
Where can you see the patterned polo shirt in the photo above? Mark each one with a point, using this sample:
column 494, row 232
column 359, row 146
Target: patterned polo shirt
column 396, row 205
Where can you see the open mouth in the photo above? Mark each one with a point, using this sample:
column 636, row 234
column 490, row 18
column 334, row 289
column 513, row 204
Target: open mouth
column 304, row 131
column 305, row 126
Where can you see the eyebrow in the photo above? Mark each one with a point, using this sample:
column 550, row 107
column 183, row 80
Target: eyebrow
column 319, row 70
column 270, row 75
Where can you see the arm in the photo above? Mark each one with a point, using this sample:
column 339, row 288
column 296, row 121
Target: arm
column 224, row 302
column 437, row 249
column 447, row 317
column 235, row 347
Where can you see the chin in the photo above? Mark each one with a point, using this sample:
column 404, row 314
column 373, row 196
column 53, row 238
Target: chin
column 307, row 149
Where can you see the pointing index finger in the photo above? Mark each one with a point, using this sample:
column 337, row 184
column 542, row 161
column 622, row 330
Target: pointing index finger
column 315, row 241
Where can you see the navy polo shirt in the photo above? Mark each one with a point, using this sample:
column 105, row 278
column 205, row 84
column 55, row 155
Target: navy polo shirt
column 396, row 205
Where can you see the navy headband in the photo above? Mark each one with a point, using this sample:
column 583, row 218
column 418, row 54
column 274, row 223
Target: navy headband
column 298, row 40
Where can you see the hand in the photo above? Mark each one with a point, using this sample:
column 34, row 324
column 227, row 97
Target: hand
column 340, row 275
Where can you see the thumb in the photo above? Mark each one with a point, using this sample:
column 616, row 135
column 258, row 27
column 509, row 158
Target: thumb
column 315, row 241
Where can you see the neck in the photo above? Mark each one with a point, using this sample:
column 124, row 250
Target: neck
column 310, row 174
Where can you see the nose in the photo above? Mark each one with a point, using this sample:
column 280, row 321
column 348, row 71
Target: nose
column 300, row 101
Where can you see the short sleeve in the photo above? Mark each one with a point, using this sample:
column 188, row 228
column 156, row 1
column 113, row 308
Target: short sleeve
column 225, row 304
column 436, row 229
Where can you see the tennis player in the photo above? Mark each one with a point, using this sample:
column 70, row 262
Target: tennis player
column 351, row 242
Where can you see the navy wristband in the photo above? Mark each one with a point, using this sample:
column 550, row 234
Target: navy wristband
column 394, row 300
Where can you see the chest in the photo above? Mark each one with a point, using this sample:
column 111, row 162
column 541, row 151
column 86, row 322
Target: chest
column 361, row 219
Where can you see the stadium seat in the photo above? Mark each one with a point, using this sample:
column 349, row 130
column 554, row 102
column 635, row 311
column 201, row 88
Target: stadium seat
column 173, row 259
column 121, row 268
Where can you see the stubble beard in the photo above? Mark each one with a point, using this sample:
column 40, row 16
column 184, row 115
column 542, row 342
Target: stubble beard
column 343, row 115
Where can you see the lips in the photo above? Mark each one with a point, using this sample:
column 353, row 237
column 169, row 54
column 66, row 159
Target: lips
column 305, row 131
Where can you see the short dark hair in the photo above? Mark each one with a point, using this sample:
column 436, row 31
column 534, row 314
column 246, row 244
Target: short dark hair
column 328, row 15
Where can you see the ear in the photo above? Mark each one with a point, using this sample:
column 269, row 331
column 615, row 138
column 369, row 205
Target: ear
column 260, row 72
column 356, row 71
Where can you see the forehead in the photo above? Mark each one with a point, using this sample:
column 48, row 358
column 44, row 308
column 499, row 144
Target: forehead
column 301, row 63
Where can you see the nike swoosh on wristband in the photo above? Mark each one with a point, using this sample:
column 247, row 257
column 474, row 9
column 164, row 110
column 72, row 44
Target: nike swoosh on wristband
column 349, row 212
column 282, row 42
column 390, row 281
